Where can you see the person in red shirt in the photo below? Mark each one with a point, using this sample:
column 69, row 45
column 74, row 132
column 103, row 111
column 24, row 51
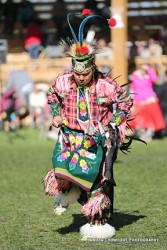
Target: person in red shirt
column 34, row 39
column 86, row 105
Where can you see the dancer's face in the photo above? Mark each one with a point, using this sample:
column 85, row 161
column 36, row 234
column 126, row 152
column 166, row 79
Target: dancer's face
column 84, row 78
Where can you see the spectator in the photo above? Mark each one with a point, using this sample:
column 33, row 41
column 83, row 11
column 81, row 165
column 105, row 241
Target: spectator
column 143, row 50
column 92, row 5
column 9, row 11
column 26, row 12
column 105, row 53
column 8, row 103
column 149, row 118
column 106, row 9
column 161, row 92
column 133, row 49
column 34, row 39
column 163, row 33
column 13, row 110
column 154, row 47
column 38, row 103
column 60, row 12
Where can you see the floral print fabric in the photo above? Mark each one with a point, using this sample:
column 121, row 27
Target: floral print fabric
column 80, row 159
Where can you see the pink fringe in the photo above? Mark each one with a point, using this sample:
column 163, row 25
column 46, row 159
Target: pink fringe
column 97, row 205
column 50, row 183
column 64, row 185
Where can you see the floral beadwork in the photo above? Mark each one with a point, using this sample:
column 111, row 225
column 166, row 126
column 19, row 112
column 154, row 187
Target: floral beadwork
column 75, row 141
column 79, row 139
column 89, row 142
column 71, row 138
column 84, row 166
column 81, row 162
column 82, row 152
column 87, row 154
column 73, row 162
column 63, row 156
column 83, row 106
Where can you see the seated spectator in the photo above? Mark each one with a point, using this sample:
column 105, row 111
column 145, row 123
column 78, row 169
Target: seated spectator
column 34, row 39
column 105, row 53
column 143, row 50
column 38, row 104
column 154, row 47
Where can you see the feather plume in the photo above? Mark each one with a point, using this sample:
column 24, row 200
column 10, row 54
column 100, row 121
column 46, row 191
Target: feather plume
column 78, row 47
column 71, row 49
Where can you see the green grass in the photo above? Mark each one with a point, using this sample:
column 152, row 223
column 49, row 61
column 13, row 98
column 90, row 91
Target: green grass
column 27, row 220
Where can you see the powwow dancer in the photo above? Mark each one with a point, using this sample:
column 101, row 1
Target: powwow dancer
column 92, row 112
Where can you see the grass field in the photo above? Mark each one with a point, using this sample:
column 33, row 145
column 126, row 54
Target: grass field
column 27, row 220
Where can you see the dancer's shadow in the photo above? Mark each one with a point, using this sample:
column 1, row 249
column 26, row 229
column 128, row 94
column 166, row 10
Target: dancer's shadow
column 119, row 220
column 123, row 219
column 78, row 221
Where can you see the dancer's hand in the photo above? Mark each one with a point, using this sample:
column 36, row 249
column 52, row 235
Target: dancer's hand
column 56, row 122
column 59, row 121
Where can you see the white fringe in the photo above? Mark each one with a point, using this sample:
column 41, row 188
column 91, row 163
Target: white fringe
column 63, row 200
column 95, row 232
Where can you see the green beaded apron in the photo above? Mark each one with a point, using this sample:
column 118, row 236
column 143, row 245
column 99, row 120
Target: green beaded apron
column 79, row 160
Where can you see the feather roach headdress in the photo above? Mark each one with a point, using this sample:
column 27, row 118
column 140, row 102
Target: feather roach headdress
column 83, row 54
